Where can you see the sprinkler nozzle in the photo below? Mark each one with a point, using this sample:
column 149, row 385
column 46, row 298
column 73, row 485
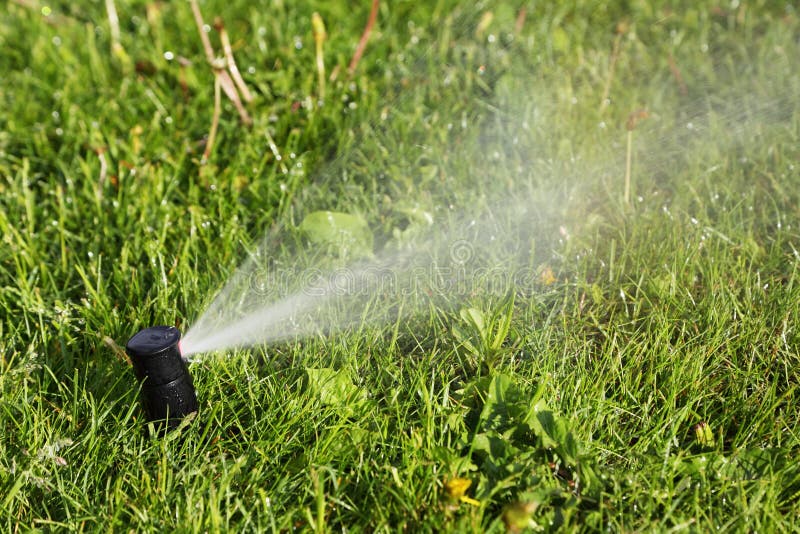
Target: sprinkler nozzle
column 167, row 390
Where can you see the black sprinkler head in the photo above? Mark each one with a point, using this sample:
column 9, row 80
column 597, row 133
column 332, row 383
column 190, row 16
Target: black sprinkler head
column 167, row 390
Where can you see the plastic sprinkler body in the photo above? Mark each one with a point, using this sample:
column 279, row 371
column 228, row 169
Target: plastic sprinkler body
column 168, row 393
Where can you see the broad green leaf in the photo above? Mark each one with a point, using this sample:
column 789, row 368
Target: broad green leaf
column 503, row 323
column 464, row 339
column 346, row 233
column 334, row 387
column 475, row 317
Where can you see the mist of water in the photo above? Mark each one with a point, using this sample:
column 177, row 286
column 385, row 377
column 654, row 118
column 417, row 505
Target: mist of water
column 450, row 264
column 491, row 247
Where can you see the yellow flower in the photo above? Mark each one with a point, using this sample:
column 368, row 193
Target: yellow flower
column 547, row 277
column 457, row 487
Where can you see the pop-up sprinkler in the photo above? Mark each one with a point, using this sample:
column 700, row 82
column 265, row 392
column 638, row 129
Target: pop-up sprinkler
column 167, row 390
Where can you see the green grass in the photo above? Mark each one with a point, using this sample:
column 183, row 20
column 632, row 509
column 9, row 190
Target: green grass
column 650, row 385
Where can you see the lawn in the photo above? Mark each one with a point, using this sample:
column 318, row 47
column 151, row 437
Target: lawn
column 627, row 175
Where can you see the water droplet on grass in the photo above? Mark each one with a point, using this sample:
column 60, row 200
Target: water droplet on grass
column 169, row 56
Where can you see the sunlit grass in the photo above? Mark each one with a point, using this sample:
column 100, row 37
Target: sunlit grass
column 646, row 379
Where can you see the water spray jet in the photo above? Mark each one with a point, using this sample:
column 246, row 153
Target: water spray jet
column 168, row 393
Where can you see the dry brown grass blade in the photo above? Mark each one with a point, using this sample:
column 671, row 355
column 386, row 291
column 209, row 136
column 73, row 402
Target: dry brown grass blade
column 630, row 125
column 483, row 24
column 676, row 73
column 212, row 134
column 228, row 51
column 118, row 351
column 198, row 20
column 222, row 80
column 362, row 43
column 230, row 91
column 520, row 22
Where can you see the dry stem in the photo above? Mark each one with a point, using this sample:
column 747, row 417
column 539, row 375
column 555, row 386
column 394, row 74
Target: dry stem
column 630, row 125
column 118, row 351
column 219, row 66
column 318, row 29
column 483, row 24
column 362, row 43
column 212, row 134
column 234, row 70
column 222, row 80
column 198, row 20
column 676, row 73
column 520, row 22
